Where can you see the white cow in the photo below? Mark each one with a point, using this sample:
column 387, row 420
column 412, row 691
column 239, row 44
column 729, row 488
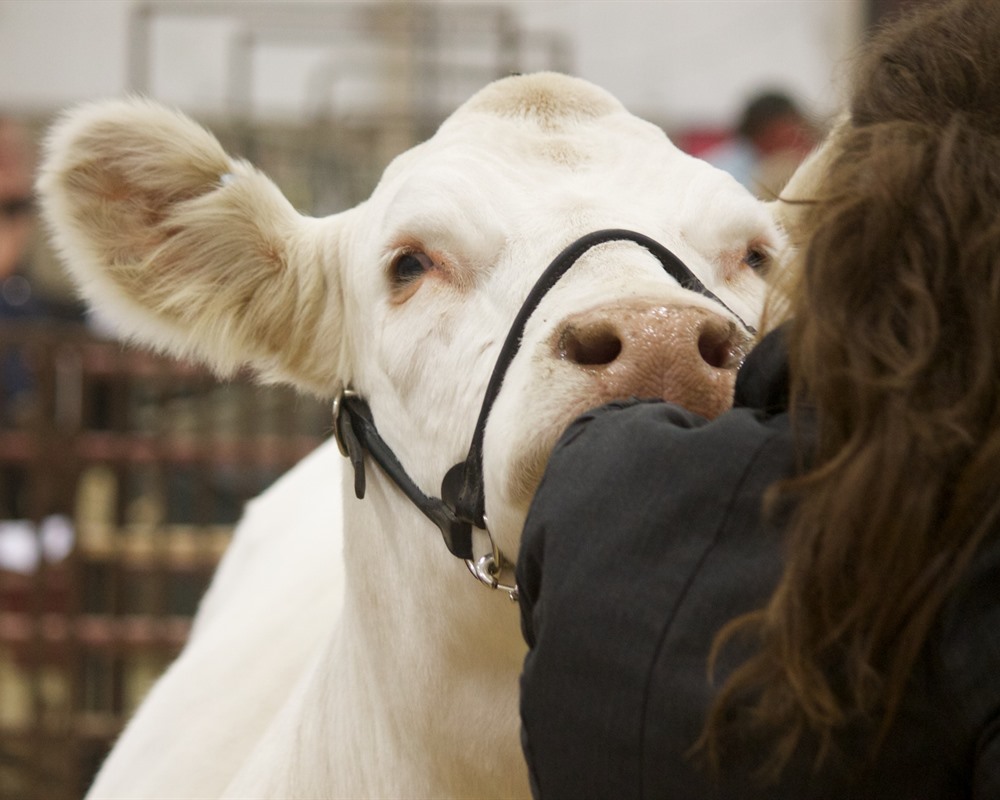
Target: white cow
column 359, row 658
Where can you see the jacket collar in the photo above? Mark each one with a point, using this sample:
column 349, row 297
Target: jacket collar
column 763, row 379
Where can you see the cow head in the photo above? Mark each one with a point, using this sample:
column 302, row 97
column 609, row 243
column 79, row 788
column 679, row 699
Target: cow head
column 409, row 295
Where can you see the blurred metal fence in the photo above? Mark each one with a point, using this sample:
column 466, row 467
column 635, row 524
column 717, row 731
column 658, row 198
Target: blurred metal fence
column 381, row 76
column 121, row 477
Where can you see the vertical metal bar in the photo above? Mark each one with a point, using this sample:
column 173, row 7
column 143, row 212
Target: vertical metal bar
column 137, row 75
column 239, row 90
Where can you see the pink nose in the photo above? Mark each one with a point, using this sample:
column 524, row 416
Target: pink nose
column 682, row 354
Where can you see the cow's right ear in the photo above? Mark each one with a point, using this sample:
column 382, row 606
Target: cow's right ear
column 189, row 250
column 806, row 182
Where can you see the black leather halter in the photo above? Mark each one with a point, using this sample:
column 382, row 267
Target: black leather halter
column 462, row 504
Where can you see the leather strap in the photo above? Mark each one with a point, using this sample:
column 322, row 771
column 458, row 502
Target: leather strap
column 463, row 500
column 357, row 433
column 463, row 484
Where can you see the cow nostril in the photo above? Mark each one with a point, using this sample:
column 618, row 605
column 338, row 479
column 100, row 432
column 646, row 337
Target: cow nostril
column 718, row 347
column 592, row 345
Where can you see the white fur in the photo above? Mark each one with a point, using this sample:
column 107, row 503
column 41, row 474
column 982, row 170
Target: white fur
column 388, row 672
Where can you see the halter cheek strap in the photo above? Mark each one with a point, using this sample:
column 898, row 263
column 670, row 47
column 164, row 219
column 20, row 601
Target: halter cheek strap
column 356, row 435
column 462, row 504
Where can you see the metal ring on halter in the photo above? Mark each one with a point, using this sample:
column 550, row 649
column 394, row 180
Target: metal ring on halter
column 341, row 391
column 487, row 568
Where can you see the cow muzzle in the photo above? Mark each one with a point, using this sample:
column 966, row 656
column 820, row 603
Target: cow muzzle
column 679, row 353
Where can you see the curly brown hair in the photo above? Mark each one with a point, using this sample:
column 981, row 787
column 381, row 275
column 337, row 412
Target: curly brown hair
column 894, row 340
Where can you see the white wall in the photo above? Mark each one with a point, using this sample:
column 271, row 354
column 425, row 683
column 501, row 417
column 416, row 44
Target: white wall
column 55, row 52
column 679, row 62
column 696, row 61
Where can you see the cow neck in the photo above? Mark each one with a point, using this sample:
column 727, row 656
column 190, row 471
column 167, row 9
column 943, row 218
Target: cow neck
column 462, row 504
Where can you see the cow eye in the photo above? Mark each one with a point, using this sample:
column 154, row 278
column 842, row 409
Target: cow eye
column 409, row 266
column 756, row 258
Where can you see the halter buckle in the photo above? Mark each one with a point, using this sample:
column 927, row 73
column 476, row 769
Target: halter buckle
column 488, row 568
column 340, row 392
column 486, row 571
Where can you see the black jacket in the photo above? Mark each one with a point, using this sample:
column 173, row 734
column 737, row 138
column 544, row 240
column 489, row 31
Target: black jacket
column 644, row 538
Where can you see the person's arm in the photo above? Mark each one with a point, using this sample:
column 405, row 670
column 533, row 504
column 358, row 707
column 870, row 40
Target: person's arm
column 762, row 382
column 634, row 500
column 590, row 609
column 986, row 785
column 970, row 657
column 976, row 654
column 586, row 466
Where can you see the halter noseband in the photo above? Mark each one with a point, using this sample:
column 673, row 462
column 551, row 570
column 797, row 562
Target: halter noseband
column 462, row 504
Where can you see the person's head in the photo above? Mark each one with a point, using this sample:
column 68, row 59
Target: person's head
column 773, row 122
column 894, row 340
column 16, row 205
column 896, row 311
column 780, row 135
column 899, row 277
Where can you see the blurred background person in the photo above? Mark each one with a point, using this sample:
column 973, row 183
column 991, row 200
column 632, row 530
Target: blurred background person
column 771, row 138
column 20, row 301
column 20, row 298
column 16, row 218
column 16, row 225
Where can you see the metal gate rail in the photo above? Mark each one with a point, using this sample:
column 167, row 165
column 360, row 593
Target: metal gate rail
column 121, row 477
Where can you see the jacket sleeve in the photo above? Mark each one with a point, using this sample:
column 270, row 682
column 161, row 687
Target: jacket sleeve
column 987, row 778
column 970, row 654
column 632, row 501
column 763, row 380
column 583, row 462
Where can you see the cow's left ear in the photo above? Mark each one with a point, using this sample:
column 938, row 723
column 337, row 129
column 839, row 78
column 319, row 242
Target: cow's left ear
column 189, row 250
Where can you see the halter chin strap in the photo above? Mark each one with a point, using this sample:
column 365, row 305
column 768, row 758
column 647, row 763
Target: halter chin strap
column 462, row 504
